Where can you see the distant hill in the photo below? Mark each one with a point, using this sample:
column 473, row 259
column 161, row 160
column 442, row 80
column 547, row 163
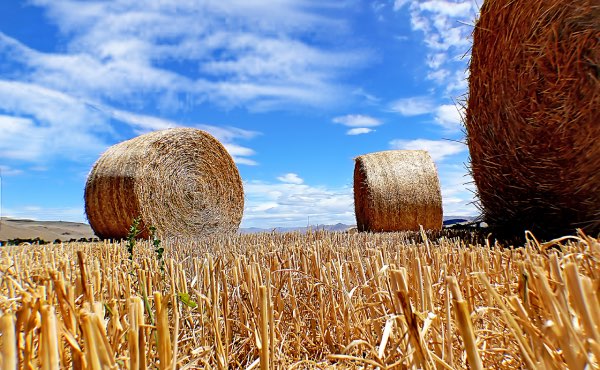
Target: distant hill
column 336, row 227
column 448, row 220
column 51, row 230
column 45, row 230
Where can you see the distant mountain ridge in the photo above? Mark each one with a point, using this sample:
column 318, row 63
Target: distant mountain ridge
column 46, row 230
column 448, row 220
column 51, row 230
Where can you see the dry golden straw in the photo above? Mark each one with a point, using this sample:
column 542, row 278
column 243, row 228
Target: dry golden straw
column 302, row 301
column 533, row 115
column 397, row 190
column 181, row 181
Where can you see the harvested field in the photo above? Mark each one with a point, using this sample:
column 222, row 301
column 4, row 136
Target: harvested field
column 315, row 300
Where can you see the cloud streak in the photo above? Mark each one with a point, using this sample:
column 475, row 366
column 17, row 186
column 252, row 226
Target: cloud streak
column 444, row 25
column 414, row 106
column 359, row 131
column 360, row 124
column 438, row 149
column 37, row 120
column 241, row 53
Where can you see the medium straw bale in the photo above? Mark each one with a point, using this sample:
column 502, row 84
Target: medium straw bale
column 533, row 115
column 181, row 181
column 397, row 190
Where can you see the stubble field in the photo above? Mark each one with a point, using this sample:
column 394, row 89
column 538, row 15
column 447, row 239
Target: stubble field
column 314, row 300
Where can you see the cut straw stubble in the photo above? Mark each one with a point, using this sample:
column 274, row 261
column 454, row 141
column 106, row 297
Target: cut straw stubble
column 8, row 346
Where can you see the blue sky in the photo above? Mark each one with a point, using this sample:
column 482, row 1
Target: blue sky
column 295, row 89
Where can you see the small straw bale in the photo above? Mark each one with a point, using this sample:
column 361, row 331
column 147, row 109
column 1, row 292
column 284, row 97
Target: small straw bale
column 181, row 181
column 397, row 190
column 533, row 115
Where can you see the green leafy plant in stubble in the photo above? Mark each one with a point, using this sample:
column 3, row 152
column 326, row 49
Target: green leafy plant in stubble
column 134, row 232
column 157, row 247
column 186, row 299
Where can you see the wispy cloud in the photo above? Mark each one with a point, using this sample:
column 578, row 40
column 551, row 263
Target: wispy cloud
column 38, row 120
column 458, row 190
column 291, row 178
column 360, row 124
column 35, row 212
column 413, row 106
column 9, row 171
column 449, row 117
column 357, row 120
column 446, row 35
column 241, row 53
column 438, row 149
column 359, row 131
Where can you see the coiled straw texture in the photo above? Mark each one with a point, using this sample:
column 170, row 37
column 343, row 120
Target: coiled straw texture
column 397, row 190
column 181, row 181
column 533, row 118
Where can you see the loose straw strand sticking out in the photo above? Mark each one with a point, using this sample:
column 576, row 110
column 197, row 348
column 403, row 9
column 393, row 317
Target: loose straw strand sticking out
column 465, row 326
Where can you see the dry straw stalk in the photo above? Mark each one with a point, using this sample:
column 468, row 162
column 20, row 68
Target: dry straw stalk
column 533, row 115
column 181, row 181
column 397, row 190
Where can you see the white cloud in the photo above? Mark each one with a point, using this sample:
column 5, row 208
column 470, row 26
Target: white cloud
column 458, row 191
column 359, row 131
column 42, row 124
column 448, row 8
column 438, row 149
column 35, row 212
column 414, row 106
column 449, row 117
column 9, row 171
column 440, row 76
column 357, row 120
column 291, row 178
column 286, row 204
column 398, row 4
column 446, row 35
column 241, row 53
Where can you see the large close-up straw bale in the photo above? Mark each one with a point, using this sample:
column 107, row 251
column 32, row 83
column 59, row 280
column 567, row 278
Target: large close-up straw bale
column 533, row 115
column 181, row 181
column 397, row 190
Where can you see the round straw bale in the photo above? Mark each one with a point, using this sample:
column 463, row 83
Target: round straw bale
column 181, row 181
column 396, row 190
column 533, row 115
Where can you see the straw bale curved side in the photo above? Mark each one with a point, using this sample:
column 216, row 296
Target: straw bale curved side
column 533, row 115
column 396, row 190
column 182, row 181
